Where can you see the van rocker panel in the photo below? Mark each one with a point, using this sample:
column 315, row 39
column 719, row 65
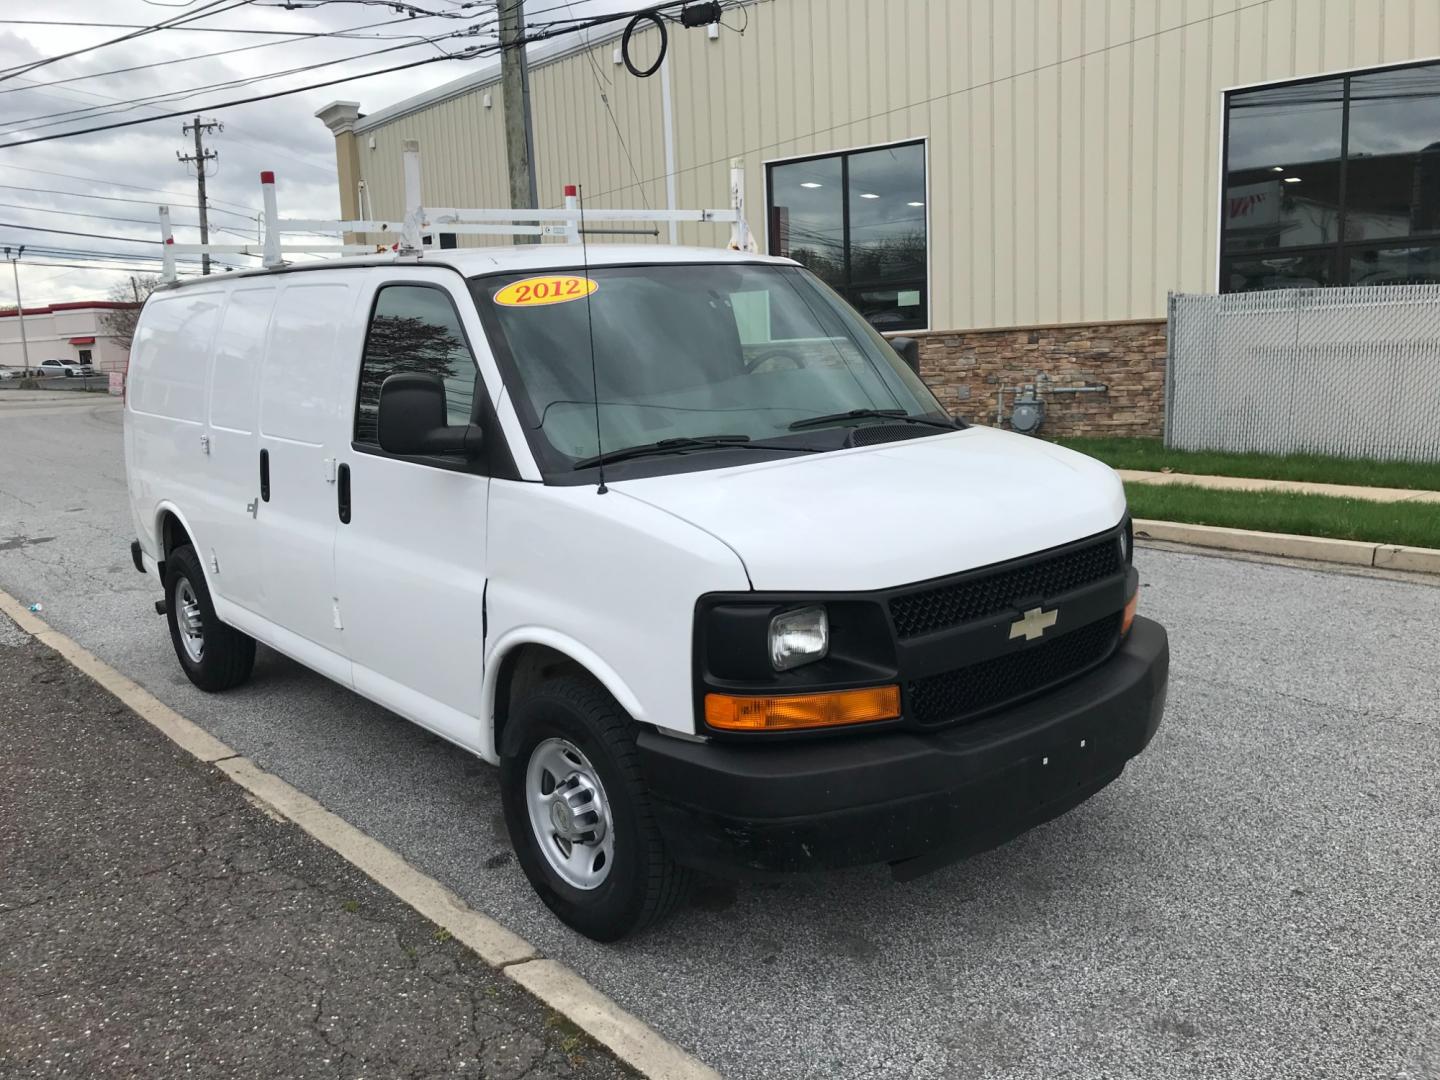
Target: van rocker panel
column 917, row 799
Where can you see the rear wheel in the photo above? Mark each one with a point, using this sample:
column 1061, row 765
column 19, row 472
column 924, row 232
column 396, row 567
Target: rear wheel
column 214, row 656
column 578, row 813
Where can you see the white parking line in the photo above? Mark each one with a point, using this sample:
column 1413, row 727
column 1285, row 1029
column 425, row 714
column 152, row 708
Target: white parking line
column 559, row 987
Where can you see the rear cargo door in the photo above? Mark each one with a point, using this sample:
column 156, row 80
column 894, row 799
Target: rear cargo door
column 300, row 434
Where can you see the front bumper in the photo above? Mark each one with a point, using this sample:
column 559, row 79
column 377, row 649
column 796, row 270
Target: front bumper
column 916, row 799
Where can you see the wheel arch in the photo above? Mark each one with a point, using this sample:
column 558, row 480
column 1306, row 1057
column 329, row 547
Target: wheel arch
column 172, row 529
column 525, row 657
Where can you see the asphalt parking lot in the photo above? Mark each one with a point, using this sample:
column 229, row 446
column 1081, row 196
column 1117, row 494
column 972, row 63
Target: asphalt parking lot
column 1258, row 895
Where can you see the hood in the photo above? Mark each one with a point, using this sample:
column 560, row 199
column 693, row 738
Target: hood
column 880, row 516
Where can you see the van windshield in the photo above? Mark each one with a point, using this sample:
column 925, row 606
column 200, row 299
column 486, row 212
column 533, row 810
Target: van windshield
column 709, row 360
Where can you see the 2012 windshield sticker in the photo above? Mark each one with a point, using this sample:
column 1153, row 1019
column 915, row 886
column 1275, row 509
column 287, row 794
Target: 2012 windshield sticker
column 539, row 291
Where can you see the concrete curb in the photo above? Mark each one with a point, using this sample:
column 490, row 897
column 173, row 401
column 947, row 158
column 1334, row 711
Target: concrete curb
column 1317, row 548
column 562, row 989
column 1294, row 487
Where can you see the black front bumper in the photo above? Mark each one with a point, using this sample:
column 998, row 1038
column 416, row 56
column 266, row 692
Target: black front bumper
column 917, row 799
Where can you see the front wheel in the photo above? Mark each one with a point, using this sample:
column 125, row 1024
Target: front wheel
column 578, row 813
column 214, row 656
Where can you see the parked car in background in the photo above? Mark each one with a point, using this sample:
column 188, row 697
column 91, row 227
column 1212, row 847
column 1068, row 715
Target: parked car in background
column 11, row 373
column 69, row 368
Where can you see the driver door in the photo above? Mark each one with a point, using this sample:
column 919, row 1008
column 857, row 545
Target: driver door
column 410, row 559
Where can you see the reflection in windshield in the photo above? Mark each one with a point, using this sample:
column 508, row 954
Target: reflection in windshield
column 682, row 351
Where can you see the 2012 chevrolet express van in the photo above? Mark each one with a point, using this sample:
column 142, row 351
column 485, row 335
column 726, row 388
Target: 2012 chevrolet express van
column 725, row 589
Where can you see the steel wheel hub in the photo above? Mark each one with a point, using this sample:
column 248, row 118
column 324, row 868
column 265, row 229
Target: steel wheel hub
column 189, row 620
column 569, row 813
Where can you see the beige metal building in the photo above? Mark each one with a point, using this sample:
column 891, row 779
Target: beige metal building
column 957, row 167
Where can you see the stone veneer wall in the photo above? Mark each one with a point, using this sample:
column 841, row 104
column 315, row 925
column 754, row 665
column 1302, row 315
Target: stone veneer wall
column 966, row 368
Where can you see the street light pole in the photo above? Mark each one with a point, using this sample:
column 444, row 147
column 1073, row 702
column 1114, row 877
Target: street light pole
column 20, row 305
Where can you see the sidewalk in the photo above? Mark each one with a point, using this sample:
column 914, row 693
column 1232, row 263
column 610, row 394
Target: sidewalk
column 155, row 923
column 1298, row 487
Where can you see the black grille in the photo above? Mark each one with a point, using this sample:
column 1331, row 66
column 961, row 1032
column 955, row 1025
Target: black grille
column 955, row 695
column 991, row 592
column 874, row 434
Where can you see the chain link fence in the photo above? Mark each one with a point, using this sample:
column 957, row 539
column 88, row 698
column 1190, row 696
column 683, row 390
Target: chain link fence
column 1352, row 372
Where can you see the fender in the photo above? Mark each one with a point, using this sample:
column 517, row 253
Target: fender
column 562, row 643
column 157, row 537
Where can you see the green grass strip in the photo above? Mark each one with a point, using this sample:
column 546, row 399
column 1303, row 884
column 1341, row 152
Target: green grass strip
column 1411, row 524
column 1151, row 455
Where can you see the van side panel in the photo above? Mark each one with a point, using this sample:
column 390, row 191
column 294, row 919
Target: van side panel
column 232, row 532
column 165, row 406
column 300, row 404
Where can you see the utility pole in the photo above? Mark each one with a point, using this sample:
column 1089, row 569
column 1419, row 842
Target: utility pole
column 135, row 288
column 20, row 305
column 515, row 87
column 200, row 158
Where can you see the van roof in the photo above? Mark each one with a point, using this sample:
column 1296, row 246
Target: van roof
column 520, row 257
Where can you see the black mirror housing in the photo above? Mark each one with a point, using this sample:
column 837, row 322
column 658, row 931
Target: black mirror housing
column 413, row 418
column 908, row 350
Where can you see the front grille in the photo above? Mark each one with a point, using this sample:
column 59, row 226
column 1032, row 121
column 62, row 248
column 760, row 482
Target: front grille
column 964, row 692
column 991, row 592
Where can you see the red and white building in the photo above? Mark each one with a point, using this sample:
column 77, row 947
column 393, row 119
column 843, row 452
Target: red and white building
column 72, row 331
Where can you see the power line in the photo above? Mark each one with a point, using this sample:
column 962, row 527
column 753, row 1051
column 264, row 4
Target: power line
column 118, row 198
column 152, row 222
column 467, row 54
column 203, row 13
column 62, row 252
column 605, row 100
column 71, row 232
column 231, row 30
column 97, row 111
column 203, row 56
column 110, row 183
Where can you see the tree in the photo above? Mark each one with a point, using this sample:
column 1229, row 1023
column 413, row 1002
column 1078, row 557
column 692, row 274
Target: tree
column 119, row 323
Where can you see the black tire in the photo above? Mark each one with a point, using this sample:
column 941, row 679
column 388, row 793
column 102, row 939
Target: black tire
column 644, row 885
column 227, row 656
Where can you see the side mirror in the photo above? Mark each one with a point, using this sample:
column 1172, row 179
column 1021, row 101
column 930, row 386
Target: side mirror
column 909, row 351
column 412, row 418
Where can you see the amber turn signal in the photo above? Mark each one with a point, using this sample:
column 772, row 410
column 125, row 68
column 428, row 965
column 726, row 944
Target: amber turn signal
column 794, row 712
column 1129, row 617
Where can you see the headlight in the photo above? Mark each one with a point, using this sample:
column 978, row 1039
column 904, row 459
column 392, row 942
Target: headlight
column 799, row 637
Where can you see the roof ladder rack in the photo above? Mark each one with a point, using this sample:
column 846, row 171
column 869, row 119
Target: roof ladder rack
column 421, row 222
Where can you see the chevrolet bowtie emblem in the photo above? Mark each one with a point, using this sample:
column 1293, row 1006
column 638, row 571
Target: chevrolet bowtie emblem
column 1034, row 623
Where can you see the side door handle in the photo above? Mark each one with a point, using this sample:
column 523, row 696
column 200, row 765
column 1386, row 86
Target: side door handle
column 342, row 492
column 265, row 475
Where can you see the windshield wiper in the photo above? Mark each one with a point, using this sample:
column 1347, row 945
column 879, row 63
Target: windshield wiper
column 871, row 414
column 688, row 442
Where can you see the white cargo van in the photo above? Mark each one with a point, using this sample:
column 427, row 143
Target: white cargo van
column 671, row 535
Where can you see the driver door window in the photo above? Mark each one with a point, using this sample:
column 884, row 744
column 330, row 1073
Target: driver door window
column 414, row 328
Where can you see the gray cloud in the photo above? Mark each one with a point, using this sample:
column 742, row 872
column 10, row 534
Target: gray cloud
column 282, row 134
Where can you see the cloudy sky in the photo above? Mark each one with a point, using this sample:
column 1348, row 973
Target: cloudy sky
column 84, row 183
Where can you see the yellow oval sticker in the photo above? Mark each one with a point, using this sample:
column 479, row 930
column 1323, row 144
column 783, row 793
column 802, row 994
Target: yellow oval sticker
column 554, row 289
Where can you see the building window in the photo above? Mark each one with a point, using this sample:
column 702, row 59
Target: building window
column 857, row 221
column 85, row 355
column 1333, row 181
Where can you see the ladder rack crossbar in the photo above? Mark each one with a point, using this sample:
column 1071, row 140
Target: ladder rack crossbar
column 421, row 222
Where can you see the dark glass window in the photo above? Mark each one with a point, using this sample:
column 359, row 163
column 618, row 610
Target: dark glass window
column 414, row 328
column 1393, row 161
column 1317, row 172
column 857, row 221
column 1393, row 265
